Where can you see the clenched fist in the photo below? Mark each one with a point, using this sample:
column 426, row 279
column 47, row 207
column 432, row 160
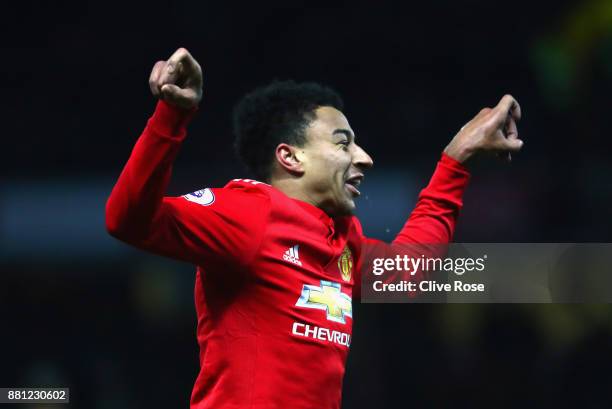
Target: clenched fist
column 178, row 80
column 492, row 130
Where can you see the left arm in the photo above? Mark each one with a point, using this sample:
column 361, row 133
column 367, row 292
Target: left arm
column 432, row 223
column 435, row 215
column 433, row 219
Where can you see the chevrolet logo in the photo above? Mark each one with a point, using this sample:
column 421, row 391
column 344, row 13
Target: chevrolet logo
column 328, row 298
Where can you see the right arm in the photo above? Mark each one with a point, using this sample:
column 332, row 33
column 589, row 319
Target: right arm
column 137, row 211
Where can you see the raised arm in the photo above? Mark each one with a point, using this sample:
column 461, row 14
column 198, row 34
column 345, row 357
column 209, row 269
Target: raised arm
column 189, row 228
column 434, row 217
column 139, row 192
column 431, row 225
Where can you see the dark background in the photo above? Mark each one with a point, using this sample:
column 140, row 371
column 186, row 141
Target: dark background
column 117, row 325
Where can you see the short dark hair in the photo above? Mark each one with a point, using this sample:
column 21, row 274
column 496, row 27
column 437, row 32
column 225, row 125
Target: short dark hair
column 277, row 113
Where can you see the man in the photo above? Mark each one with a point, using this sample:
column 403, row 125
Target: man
column 277, row 259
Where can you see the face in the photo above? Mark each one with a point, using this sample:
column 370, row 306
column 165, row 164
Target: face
column 333, row 163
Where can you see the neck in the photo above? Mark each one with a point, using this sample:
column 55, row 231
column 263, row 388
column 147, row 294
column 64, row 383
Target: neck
column 293, row 188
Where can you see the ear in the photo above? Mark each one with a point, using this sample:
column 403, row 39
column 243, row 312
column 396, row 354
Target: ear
column 289, row 158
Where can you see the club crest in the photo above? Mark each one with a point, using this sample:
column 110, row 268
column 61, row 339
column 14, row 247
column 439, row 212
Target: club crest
column 345, row 264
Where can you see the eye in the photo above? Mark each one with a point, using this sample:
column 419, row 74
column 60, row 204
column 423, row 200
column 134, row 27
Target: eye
column 344, row 144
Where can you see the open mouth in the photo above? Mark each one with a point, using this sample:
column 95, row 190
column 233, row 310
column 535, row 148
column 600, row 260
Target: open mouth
column 352, row 184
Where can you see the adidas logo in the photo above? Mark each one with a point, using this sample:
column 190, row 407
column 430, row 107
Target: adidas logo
column 292, row 255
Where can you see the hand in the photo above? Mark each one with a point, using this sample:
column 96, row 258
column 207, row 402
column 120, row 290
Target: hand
column 178, row 81
column 492, row 130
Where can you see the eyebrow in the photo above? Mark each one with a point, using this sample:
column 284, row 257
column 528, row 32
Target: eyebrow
column 345, row 132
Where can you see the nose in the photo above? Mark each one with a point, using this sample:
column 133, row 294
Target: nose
column 361, row 159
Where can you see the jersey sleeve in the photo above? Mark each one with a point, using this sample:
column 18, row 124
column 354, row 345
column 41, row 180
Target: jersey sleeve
column 228, row 230
column 427, row 231
column 208, row 226
column 434, row 218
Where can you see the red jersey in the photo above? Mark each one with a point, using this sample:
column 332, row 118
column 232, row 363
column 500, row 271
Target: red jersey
column 276, row 276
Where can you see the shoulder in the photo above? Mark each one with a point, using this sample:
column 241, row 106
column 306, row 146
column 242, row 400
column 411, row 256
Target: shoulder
column 239, row 195
column 248, row 186
column 236, row 189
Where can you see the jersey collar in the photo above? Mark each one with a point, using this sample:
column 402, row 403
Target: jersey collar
column 314, row 210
